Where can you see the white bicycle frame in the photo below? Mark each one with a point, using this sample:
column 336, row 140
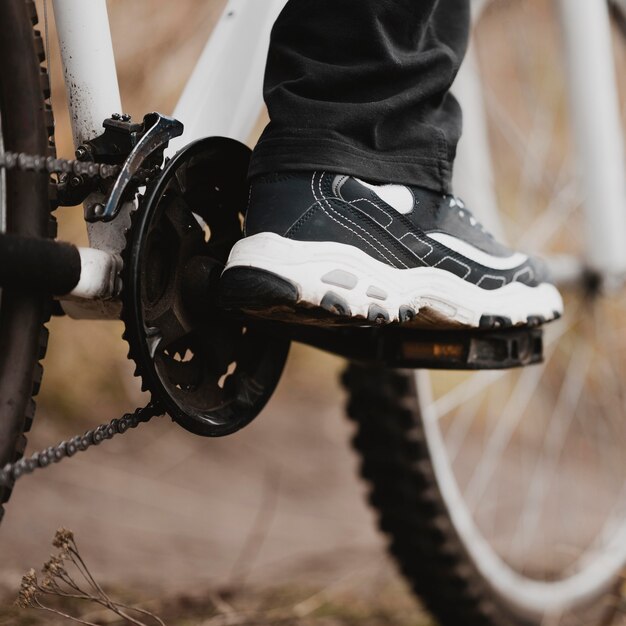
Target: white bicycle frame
column 224, row 97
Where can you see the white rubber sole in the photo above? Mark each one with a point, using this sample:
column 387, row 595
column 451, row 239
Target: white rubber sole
column 435, row 296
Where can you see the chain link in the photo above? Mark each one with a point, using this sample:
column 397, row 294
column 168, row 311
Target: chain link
column 53, row 454
column 51, row 165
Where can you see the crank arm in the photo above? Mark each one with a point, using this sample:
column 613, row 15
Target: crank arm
column 160, row 130
column 58, row 268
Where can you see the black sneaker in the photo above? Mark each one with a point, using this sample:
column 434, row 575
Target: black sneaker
column 324, row 247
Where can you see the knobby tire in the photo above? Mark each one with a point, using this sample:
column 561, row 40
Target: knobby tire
column 27, row 126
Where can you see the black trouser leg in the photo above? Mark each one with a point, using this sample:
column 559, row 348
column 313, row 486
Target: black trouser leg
column 361, row 87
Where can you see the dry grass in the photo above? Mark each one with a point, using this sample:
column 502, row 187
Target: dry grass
column 284, row 606
column 65, row 591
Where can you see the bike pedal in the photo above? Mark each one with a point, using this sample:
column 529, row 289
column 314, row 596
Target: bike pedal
column 399, row 346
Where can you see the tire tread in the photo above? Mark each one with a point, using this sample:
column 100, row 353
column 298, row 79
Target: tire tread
column 403, row 489
column 38, row 50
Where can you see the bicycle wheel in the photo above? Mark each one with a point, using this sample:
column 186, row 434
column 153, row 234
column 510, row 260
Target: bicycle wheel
column 503, row 492
column 26, row 126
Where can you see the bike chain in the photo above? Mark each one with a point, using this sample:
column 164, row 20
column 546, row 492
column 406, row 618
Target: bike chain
column 53, row 454
column 118, row 426
column 51, row 165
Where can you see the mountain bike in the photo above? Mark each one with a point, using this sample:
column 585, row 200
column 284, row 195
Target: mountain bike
column 501, row 491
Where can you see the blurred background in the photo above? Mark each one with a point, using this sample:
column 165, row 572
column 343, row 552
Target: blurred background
column 279, row 505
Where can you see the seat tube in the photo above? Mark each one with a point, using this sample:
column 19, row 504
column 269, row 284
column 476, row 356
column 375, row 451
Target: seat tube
column 596, row 123
column 88, row 65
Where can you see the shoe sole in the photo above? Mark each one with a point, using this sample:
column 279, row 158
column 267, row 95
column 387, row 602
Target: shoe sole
column 330, row 283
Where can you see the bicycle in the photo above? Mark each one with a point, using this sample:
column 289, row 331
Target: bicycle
column 439, row 515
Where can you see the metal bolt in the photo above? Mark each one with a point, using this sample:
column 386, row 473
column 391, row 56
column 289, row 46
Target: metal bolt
column 81, row 153
column 116, row 116
column 98, row 209
column 75, row 181
column 125, row 117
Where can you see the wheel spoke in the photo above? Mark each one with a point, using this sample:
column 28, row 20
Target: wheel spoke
column 549, row 454
column 508, row 421
column 462, row 393
column 461, row 426
column 550, row 221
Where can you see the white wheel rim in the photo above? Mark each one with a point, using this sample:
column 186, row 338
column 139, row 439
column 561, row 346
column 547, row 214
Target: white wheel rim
column 540, row 597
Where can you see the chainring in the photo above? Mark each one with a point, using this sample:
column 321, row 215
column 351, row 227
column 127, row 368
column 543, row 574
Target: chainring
column 211, row 371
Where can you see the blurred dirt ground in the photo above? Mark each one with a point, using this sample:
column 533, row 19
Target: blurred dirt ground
column 158, row 511
column 277, row 502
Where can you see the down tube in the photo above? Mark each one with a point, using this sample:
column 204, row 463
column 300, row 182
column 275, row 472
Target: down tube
column 224, row 94
column 88, row 65
column 597, row 127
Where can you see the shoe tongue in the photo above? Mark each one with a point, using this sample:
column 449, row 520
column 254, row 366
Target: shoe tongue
column 397, row 196
column 402, row 198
